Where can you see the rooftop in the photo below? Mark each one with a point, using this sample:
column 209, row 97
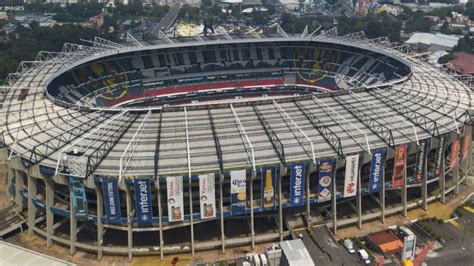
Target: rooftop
column 387, row 241
column 463, row 63
column 436, row 39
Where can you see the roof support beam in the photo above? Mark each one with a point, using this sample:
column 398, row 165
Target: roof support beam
column 245, row 139
column 157, row 146
column 216, row 141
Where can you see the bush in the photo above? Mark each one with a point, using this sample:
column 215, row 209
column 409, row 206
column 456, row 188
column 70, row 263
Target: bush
column 440, row 221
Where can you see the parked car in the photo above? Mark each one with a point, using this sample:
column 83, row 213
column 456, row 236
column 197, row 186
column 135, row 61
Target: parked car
column 363, row 256
column 349, row 246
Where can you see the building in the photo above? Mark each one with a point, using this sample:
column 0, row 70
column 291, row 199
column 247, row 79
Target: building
column 433, row 42
column 385, row 242
column 462, row 63
column 295, row 253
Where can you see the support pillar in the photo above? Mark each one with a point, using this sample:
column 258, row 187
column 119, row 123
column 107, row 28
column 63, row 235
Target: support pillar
column 442, row 179
column 32, row 191
column 382, row 194
column 424, row 182
column 129, row 223
column 72, row 221
column 334, row 202
column 280, row 202
column 10, row 174
column 49, row 202
column 455, row 173
column 221, row 203
column 18, row 188
column 308, row 204
column 252, row 226
column 359, row 197
column 160, row 217
column 191, row 218
column 404, row 193
column 100, row 224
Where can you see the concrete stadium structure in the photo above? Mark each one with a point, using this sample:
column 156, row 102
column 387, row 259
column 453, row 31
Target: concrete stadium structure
column 114, row 148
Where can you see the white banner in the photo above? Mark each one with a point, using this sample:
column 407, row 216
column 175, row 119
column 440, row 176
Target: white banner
column 174, row 186
column 238, row 186
column 352, row 173
column 207, row 196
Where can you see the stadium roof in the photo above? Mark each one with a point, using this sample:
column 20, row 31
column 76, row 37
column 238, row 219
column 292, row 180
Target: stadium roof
column 433, row 39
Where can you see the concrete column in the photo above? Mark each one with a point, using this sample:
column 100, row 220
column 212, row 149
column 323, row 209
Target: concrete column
column 49, row 202
column 191, row 218
column 18, row 188
column 468, row 162
column 160, row 217
column 280, row 202
column 308, row 204
column 382, row 194
column 10, row 174
column 424, row 182
column 442, row 179
column 221, row 203
column 359, row 197
column 72, row 221
column 252, row 226
column 100, row 224
column 32, row 190
column 404, row 191
column 129, row 223
column 334, row 202
column 455, row 173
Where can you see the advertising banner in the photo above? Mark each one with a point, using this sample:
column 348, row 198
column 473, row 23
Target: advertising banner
column 399, row 166
column 268, row 187
column 325, row 179
column 78, row 193
column 440, row 155
column 238, row 191
column 111, row 198
column 376, row 168
column 465, row 144
column 421, row 159
column 454, row 154
column 297, row 185
column 174, row 189
column 207, row 196
column 352, row 174
column 143, row 200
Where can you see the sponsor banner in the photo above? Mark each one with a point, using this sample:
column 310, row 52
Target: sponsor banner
column 238, row 191
column 440, row 155
column 79, row 200
column 297, row 185
column 143, row 200
column 207, row 195
column 376, row 168
column 325, row 179
column 454, row 154
column 268, row 187
column 421, row 159
column 399, row 165
column 111, row 198
column 465, row 144
column 352, row 174
column 175, row 195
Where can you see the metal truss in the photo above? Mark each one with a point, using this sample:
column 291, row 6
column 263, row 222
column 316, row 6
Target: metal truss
column 427, row 124
column 225, row 34
column 157, row 145
column 245, row 139
column 363, row 142
column 132, row 146
column 379, row 129
column 272, row 136
column 314, row 32
column 355, row 37
column 164, row 37
column 216, row 141
column 332, row 33
column 131, row 38
column 281, row 31
column 252, row 32
column 328, row 135
column 297, row 131
column 305, row 32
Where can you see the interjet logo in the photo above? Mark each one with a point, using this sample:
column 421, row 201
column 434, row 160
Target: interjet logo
column 144, row 201
column 297, row 184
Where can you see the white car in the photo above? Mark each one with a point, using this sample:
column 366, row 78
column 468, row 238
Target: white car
column 363, row 256
column 349, row 246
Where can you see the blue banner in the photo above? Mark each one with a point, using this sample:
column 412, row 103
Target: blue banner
column 297, row 185
column 268, row 187
column 111, row 198
column 143, row 200
column 376, row 167
column 325, row 179
column 78, row 194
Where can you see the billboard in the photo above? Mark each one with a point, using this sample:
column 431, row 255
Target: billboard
column 297, row 185
column 421, row 159
column 111, row 198
column 174, row 189
column 78, row 194
column 454, row 154
column 465, row 144
column 399, row 166
column 376, row 168
column 238, row 191
column 143, row 200
column 440, row 155
column 352, row 175
column 207, row 195
column 268, row 187
column 325, row 179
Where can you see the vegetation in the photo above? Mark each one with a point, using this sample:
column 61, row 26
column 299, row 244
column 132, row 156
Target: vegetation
column 374, row 26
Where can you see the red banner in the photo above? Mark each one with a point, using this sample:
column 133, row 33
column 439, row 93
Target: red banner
column 399, row 165
column 467, row 140
column 454, row 154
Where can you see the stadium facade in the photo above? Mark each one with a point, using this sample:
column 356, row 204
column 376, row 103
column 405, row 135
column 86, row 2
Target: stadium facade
column 206, row 144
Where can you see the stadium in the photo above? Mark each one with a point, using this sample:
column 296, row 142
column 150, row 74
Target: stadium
column 210, row 143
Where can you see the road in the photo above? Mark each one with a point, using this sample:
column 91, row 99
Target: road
column 168, row 20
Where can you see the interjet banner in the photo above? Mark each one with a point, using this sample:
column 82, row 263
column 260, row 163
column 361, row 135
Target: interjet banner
column 325, row 179
column 174, row 189
column 238, row 191
column 79, row 200
column 440, row 155
column 454, row 154
column 111, row 198
column 352, row 174
column 399, row 166
column 376, row 168
column 297, row 185
column 268, row 187
column 143, row 200
column 421, row 159
column 465, row 144
column 207, row 196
